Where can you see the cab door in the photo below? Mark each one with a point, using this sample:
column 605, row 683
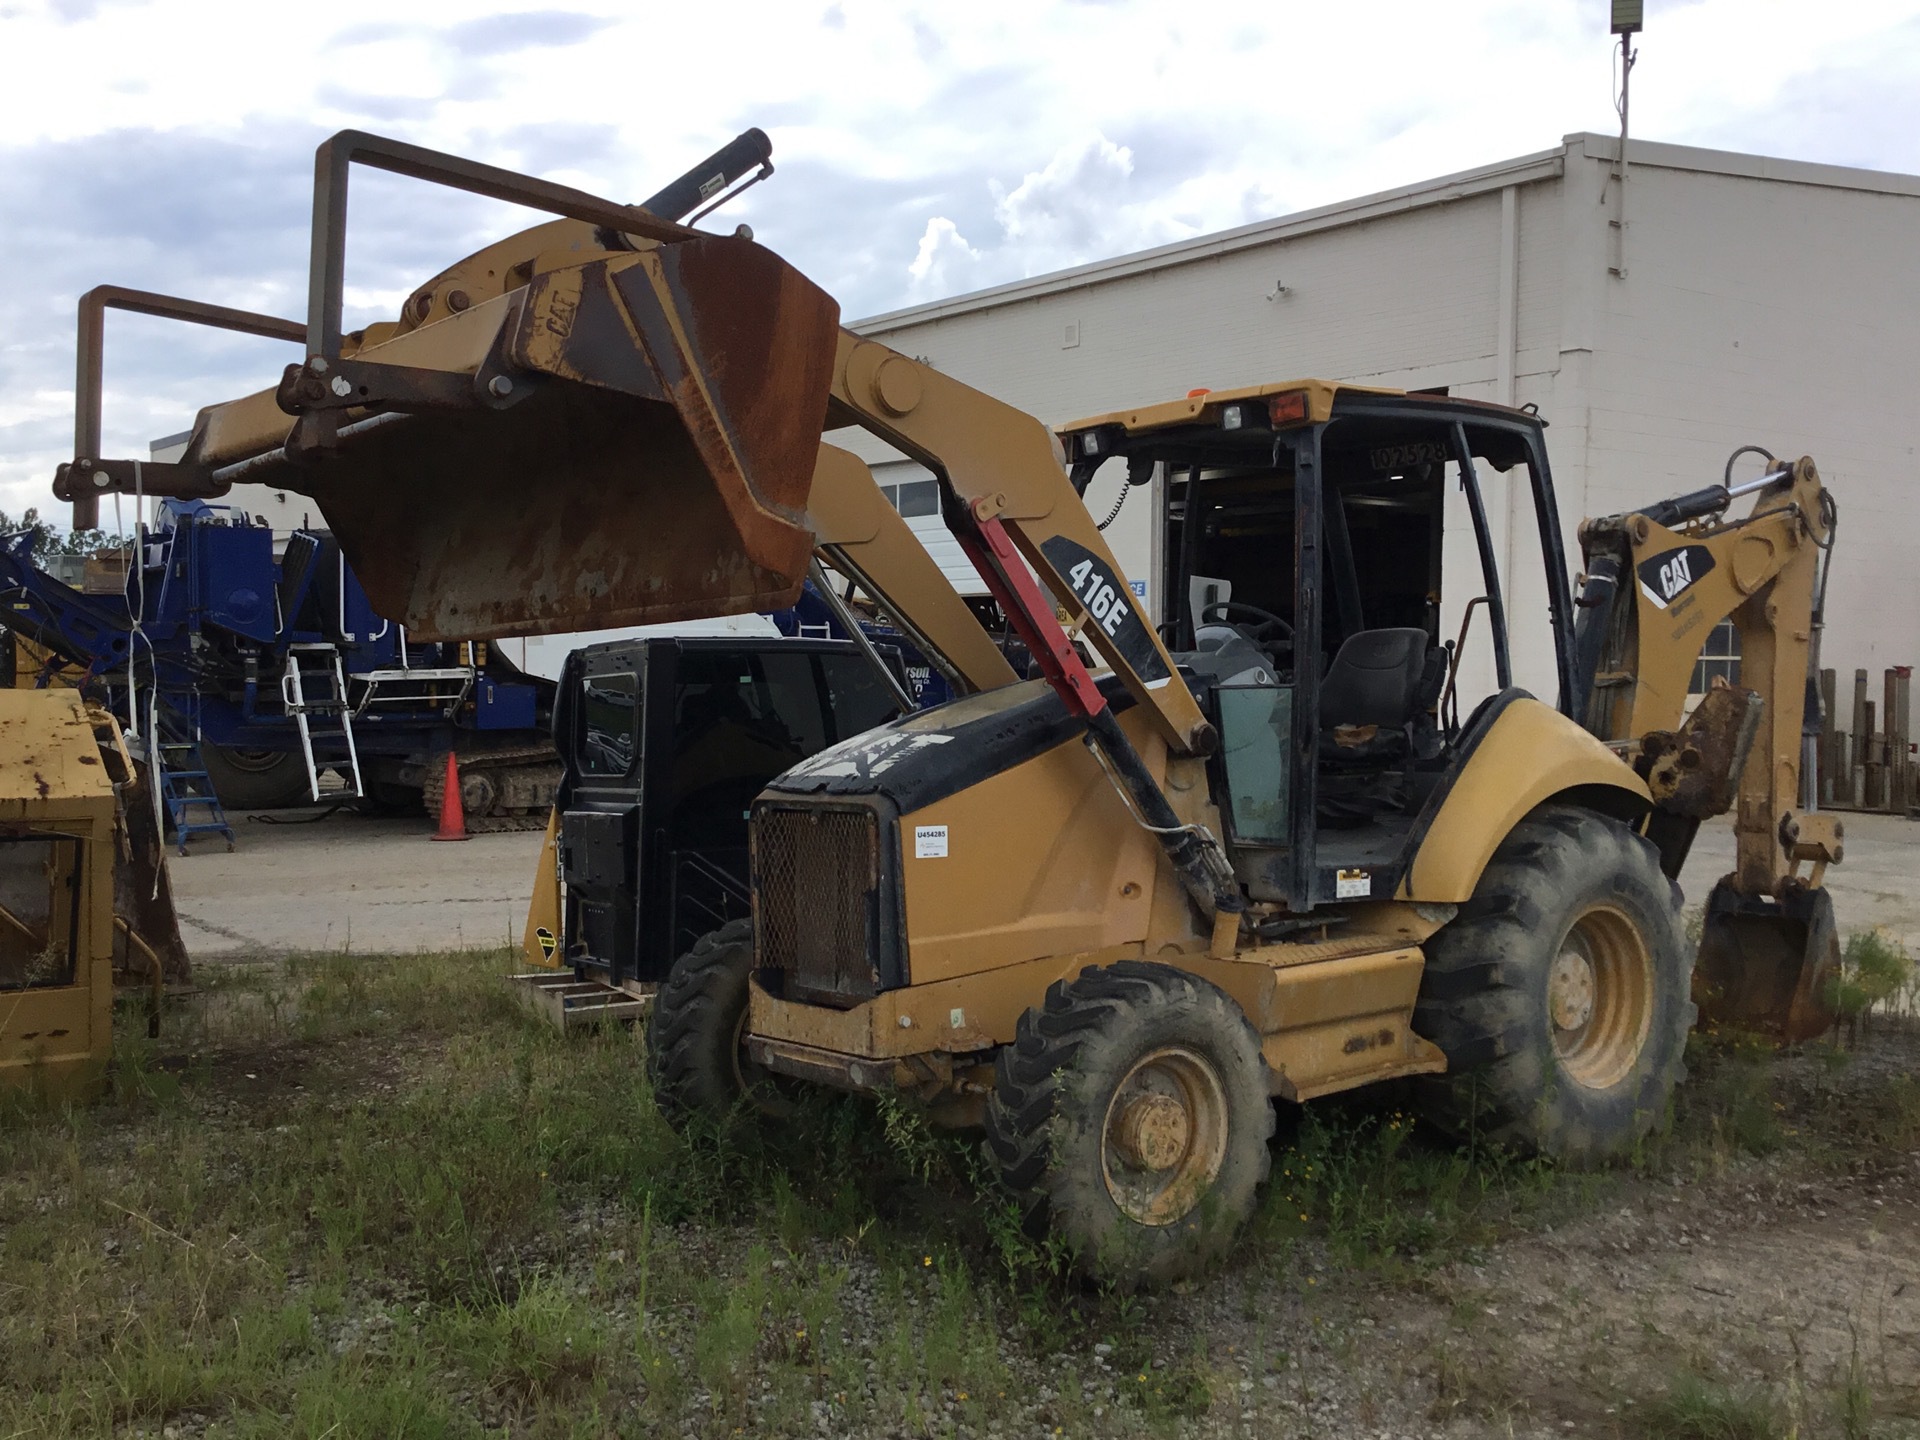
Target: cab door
column 601, row 735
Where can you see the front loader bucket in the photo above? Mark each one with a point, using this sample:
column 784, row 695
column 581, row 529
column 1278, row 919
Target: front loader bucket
column 1768, row 965
column 641, row 449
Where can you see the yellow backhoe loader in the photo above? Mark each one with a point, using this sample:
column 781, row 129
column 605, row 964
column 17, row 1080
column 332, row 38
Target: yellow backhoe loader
column 1108, row 912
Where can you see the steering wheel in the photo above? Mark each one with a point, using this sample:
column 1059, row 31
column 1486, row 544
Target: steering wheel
column 1267, row 628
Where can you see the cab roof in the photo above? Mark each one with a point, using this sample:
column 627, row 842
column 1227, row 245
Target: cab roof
column 1205, row 406
column 50, row 763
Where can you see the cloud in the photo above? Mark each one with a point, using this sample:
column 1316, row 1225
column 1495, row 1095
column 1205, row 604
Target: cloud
column 1062, row 207
column 946, row 262
column 1080, row 206
column 524, row 30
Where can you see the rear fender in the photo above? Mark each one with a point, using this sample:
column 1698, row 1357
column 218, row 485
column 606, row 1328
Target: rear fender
column 1529, row 754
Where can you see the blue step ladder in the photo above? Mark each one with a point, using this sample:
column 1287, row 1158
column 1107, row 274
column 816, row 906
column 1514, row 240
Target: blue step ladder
column 187, row 790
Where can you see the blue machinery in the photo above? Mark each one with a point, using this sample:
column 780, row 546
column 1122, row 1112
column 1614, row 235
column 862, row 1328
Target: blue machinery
column 249, row 675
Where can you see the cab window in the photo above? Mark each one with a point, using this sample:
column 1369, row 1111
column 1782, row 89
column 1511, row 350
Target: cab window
column 609, row 723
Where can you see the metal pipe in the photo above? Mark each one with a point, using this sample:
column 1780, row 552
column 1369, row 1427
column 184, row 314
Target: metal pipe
column 844, row 614
column 1490, row 569
column 900, row 621
column 89, row 379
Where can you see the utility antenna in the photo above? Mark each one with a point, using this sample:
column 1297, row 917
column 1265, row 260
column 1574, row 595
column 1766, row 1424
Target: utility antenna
column 1628, row 16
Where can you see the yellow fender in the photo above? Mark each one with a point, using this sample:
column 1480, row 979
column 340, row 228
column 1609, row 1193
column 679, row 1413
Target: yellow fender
column 1531, row 754
column 540, row 945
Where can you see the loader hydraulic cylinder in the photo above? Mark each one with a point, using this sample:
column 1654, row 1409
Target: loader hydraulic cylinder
column 712, row 175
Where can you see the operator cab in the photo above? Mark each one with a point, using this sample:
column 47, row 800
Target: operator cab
column 1332, row 596
column 664, row 742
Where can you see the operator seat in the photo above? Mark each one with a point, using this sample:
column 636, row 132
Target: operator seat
column 1373, row 692
column 1375, row 701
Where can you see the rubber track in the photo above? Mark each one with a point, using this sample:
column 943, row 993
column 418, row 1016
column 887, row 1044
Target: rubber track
column 496, row 822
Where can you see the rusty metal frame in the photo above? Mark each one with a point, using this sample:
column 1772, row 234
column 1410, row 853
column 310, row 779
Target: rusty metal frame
column 326, row 279
column 90, row 362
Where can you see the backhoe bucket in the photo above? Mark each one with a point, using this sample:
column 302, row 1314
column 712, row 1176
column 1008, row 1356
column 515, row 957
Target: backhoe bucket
column 146, row 929
column 631, row 440
column 1768, row 966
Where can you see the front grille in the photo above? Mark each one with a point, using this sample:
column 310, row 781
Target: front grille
column 817, row 879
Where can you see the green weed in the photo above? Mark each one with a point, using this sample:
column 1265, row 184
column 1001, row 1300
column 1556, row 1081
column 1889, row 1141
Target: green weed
column 1385, row 1192
column 1875, row 971
column 546, row 1342
column 1694, row 1408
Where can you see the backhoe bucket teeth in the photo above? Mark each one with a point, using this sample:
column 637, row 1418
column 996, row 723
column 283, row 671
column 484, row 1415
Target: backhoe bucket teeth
column 640, row 448
column 1768, row 966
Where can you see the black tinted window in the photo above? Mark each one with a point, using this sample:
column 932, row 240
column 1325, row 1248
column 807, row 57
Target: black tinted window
column 859, row 700
column 918, row 497
column 609, row 723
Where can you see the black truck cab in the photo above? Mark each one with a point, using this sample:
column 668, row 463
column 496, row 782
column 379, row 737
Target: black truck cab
column 665, row 741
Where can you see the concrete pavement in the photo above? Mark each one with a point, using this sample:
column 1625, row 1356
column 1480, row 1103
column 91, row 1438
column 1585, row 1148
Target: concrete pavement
column 348, row 882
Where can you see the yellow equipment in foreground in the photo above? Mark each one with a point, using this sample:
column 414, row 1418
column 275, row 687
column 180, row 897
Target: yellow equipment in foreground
column 1111, row 912
column 83, row 891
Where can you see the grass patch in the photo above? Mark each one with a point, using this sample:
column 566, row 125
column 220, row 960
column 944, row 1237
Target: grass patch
column 1693, row 1408
column 366, row 1195
column 1388, row 1192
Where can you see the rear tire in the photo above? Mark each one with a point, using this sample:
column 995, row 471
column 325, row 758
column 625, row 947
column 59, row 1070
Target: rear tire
column 1131, row 1116
column 256, row 779
column 1560, row 993
column 696, row 1054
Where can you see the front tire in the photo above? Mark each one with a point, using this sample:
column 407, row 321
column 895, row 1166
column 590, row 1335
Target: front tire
column 1560, row 993
column 1131, row 1117
column 696, row 1034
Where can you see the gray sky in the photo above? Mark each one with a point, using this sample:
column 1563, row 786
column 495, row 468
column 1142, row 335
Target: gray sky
column 922, row 150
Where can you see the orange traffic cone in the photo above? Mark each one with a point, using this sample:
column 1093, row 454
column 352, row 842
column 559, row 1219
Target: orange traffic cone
column 453, row 815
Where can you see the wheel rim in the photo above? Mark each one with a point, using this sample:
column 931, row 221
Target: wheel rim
column 1165, row 1136
column 752, row 1083
column 1600, row 998
column 745, row 1072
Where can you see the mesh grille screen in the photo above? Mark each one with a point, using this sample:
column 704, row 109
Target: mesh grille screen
column 817, row 871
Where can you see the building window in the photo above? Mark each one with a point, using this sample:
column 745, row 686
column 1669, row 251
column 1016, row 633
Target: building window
column 1719, row 659
column 914, row 498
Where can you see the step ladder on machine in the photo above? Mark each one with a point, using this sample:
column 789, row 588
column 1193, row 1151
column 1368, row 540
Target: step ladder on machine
column 185, row 787
column 314, row 691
